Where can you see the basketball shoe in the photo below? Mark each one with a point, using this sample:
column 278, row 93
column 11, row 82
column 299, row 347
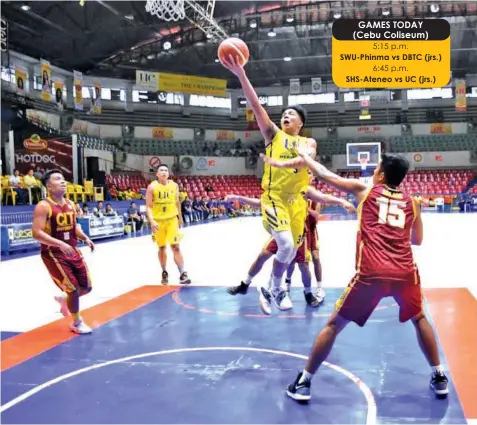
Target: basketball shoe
column 438, row 384
column 165, row 278
column 299, row 391
column 240, row 289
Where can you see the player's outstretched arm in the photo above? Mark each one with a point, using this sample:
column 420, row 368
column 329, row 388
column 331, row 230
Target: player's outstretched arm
column 243, row 200
column 40, row 217
column 149, row 201
column 179, row 206
column 297, row 162
column 417, row 231
column 267, row 127
column 317, row 196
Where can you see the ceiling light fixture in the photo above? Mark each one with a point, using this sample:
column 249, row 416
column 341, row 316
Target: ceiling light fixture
column 385, row 12
column 167, row 45
column 272, row 33
column 129, row 17
column 217, row 60
column 151, row 56
column 287, row 58
column 25, row 7
column 253, row 24
column 337, row 15
column 290, row 19
column 434, row 8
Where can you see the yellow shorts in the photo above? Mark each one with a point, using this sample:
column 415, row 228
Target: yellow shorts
column 285, row 212
column 168, row 232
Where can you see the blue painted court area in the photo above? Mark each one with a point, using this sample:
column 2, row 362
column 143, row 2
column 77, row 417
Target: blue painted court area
column 174, row 367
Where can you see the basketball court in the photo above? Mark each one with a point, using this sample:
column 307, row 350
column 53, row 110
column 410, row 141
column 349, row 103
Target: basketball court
column 198, row 355
column 170, row 354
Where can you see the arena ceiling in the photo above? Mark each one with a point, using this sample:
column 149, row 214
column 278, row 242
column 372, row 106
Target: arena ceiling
column 114, row 38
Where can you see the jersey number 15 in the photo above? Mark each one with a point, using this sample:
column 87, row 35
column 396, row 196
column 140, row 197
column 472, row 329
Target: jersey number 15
column 392, row 212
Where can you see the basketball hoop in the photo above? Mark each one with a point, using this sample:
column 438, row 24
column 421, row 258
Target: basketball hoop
column 364, row 163
column 167, row 10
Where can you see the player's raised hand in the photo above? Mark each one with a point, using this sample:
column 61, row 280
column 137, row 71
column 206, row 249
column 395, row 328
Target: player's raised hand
column 233, row 66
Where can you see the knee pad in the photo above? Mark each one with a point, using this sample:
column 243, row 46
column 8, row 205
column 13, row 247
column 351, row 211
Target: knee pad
column 285, row 245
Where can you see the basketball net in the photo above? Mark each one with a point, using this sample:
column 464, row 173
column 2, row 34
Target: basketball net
column 167, row 10
column 364, row 163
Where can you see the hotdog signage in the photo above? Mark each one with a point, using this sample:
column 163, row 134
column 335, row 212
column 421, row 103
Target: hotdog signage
column 37, row 149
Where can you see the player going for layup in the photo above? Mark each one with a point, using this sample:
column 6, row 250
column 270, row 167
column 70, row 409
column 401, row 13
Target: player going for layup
column 389, row 222
column 163, row 211
column 283, row 203
column 55, row 227
column 303, row 253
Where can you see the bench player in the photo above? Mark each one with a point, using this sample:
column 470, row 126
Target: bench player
column 389, row 222
column 55, row 227
column 164, row 214
column 283, row 203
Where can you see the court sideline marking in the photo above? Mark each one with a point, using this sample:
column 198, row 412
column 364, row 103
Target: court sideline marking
column 27, row 345
column 368, row 395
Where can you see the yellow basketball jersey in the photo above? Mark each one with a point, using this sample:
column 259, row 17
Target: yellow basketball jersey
column 286, row 180
column 164, row 197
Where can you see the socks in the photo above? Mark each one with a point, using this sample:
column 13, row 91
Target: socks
column 288, row 284
column 437, row 369
column 305, row 376
column 248, row 280
column 276, row 282
column 181, row 269
column 307, row 290
column 77, row 318
column 164, row 268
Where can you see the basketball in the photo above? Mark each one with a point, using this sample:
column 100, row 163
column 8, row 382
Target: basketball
column 236, row 48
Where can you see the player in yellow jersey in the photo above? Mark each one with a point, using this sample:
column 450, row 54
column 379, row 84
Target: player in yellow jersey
column 284, row 207
column 163, row 210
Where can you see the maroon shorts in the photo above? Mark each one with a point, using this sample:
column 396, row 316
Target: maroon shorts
column 313, row 244
column 301, row 257
column 362, row 296
column 68, row 273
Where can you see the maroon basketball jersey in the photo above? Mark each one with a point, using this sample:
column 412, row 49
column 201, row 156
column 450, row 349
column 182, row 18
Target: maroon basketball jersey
column 311, row 221
column 383, row 248
column 61, row 223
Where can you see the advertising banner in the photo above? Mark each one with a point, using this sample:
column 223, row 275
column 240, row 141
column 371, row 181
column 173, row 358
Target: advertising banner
column 460, row 96
column 162, row 133
column 102, row 227
column 440, row 128
column 46, row 86
column 20, row 80
column 36, row 149
column 17, row 237
column 225, row 135
column 78, row 86
column 174, row 83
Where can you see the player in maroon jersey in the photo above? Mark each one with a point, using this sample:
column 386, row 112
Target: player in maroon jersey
column 389, row 222
column 55, row 227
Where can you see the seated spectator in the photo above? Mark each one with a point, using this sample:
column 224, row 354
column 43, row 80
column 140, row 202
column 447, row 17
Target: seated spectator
column 204, row 208
column 86, row 212
column 15, row 182
column 100, row 207
column 187, row 211
column 113, row 192
column 33, row 185
column 196, row 206
column 78, row 210
column 38, row 173
column 135, row 216
column 211, row 204
column 109, row 212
